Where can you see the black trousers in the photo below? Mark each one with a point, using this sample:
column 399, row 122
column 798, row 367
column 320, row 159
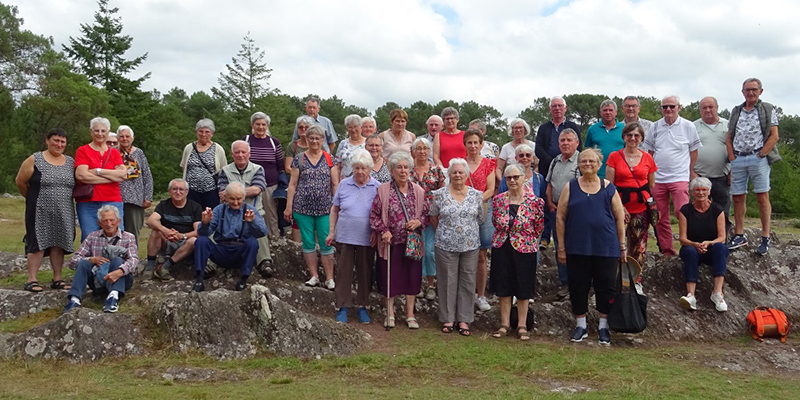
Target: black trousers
column 586, row 272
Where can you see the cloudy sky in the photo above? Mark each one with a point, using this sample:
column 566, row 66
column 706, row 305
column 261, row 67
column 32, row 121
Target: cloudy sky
column 503, row 53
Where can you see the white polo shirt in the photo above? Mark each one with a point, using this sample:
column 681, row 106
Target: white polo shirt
column 671, row 145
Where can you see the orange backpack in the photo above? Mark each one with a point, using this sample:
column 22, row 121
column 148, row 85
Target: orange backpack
column 768, row 322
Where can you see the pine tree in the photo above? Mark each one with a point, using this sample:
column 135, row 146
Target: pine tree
column 246, row 80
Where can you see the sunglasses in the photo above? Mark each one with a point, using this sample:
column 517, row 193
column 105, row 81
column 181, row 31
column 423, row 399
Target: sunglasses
column 527, row 155
column 670, row 106
column 513, row 177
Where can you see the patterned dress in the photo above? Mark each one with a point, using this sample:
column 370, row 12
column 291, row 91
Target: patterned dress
column 314, row 195
column 382, row 175
column 344, row 152
column 49, row 212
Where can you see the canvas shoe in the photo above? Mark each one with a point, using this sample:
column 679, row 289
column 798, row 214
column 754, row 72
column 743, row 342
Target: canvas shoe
column 719, row 302
column 71, row 305
column 163, row 274
column 604, row 337
column 736, row 242
column 363, row 317
column 341, row 316
column 431, row 293
column 314, row 281
column 483, row 304
column 579, row 334
column 112, row 305
column 330, row 284
column 147, row 274
column 689, row 302
column 198, row 287
column 763, row 248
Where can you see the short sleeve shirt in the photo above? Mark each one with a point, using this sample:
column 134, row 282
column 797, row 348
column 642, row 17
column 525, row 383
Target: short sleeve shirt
column 671, row 145
column 624, row 178
column 508, row 152
column 92, row 158
column 748, row 137
column 180, row 219
column 352, row 226
column 458, row 229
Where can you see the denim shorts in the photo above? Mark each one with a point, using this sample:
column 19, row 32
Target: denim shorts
column 749, row 167
column 486, row 229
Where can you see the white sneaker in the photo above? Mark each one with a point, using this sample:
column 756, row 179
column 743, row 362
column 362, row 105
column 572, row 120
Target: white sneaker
column 330, row 284
column 430, row 294
column 689, row 302
column 314, row 281
column 483, row 304
column 719, row 302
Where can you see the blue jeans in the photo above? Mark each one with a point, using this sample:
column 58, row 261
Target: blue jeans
column 753, row 168
column 87, row 216
column 429, row 259
column 716, row 257
column 84, row 276
column 226, row 255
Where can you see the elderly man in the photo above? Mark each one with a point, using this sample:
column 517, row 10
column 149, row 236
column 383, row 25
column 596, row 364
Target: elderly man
column 712, row 158
column 562, row 169
column 312, row 110
column 434, row 126
column 548, row 148
column 106, row 262
column 490, row 150
column 631, row 108
column 236, row 228
column 174, row 230
column 673, row 142
column 250, row 175
column 606, row 134
column 751, row 141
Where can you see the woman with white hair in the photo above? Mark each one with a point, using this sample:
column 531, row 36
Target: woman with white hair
column 702, row 236
column 201, row 163
column 266, row 151
column 380, row 170
column 349, row 226
column 519, row 131
column 456, row 213
column 430, row 178
column 137, row 190
column 399, row 208
column 349, row 145
column 534, row 181
column 100, row 166
column 368, row 126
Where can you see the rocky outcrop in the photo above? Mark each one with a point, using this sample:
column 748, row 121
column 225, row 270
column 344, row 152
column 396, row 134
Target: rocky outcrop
column 17, row 303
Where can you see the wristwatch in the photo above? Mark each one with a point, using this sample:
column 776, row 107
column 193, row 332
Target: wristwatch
column 184, row 236
column 97, row 171
column 761, row 155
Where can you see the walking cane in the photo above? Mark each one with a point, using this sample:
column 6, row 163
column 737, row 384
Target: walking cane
column 388, row 283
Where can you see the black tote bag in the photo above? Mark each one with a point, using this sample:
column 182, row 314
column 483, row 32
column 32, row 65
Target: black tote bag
column 629, row 309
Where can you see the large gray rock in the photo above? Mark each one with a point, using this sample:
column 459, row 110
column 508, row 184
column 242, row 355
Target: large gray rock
column 81, row 335
column 18, row 303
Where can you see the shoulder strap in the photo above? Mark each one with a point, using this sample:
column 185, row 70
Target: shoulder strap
column 210, row 170
column 247, row 139
column 328, row 158
column 400, row 197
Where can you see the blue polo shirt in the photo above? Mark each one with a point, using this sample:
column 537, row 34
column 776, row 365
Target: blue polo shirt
column 607, row 140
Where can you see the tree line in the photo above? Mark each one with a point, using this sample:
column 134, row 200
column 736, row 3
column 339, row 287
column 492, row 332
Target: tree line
column 42, row 87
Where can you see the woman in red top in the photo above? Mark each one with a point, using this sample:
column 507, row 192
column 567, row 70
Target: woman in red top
column 99, row 165
column 632, row 171
column 449, row 143
column 481, row 177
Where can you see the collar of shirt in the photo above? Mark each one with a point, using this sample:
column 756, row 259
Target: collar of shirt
column 352, row 182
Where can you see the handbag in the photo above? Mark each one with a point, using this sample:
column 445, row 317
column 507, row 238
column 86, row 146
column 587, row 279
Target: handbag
column 414, row 246
column 85, row 191
column 651, row 210
column 628, row 308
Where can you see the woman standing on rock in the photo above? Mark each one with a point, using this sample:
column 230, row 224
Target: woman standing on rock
column 45, row 180
column 201, row 162
column 137, row 190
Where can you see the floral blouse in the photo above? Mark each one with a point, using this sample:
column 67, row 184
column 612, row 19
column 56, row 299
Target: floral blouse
column 477, row 178
column 432, row 179
column 314, row 193
column 524, row 230
column 458, row 229
column 397, row 219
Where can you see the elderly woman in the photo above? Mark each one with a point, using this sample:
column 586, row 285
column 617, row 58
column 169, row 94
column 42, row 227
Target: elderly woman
column 398, row 208
column 368, row 126
column 518, row 218
column 137, row 190
column 311, row 188
column 457, row 212
column 397, row 138
column 45, row 180
column 380, row 171
column 632, row 171
column 349, row 226
column 449, row 143
column 590, row 204
column 347, row 146
column 702, row 236
column 518, row 130
column 430, row 178
column 266, row 151
column 298, row 146
column 534, row 181
column 112, row 140
column 482, row 178
column 101, row 166
column 201, row 163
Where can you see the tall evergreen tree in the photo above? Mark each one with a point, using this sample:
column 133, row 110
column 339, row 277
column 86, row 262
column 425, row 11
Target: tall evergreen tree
column 246, row 80
column 99, row 53
column 20, row 54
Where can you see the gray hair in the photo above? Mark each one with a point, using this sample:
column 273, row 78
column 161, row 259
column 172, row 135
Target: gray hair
column 424, row 141
column 112, row 135
column 106, row 208
column 369, row 119
column 313, row 98
column 234, row 187
column 205, row 123
column 399, row 156
column 457, row 161
column 568, row 131
column 375, row 135
column 523, row 147
column 235, row 142
column 554, row 98
column 516, row 121
column 479, row 124
column 353, row 119
column 748, row 80
column 178, row 180
column 716, row 104
column 361, row 157
column 631, row 98
column 677, row 99
column 100, row 120
column 593, row 151
column 700, row 182
column 305, row 119
column 316, row 130
column 434, row 116
column 608, row 102
column 514, row 165
column 259, row 115
column 449, row 111
column 125, row 128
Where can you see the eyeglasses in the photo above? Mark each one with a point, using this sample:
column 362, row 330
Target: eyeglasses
column 633, row 135
column 750, row 90
column 630, row 106
column 178, row 189
column 302, row 128
column 670, row 106
column 314, row 139
column 527, row 155
column 513, row 177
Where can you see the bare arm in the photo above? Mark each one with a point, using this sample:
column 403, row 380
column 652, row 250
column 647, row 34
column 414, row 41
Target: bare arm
column 288, row 164
column 548, row 196
column 651, row 180
column 501, row 165
column 729, row 145
column 252, row 191
column 561, row 218
column 772, row 140
column 437, row 159
column 489, row 192
column 434, row 220
column 334, row 216
column 682, row 230
column 692, row 162
column 24, row 176
column 290, row 194
column 334, row 180
column 619, row 214
column 611, row 173
column 83, row 174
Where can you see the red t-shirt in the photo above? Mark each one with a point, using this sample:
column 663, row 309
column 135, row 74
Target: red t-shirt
column 623, row 178
column 92, row 158
column 451, row 146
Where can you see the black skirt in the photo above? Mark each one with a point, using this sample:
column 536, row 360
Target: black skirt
column 513, row 273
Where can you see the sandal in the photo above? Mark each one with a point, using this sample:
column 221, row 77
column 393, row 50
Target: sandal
column 448, row 328
column 33, row 287
column 464, row 331
column 523, row 334
column 502, row 331
column 59, row 284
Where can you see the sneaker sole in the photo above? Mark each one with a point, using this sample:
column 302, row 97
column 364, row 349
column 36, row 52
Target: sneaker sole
column 573, row 340
column 686, row 305
column 734, row 247
column 602, row 343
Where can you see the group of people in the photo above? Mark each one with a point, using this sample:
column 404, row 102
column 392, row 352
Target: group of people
column 415, row 215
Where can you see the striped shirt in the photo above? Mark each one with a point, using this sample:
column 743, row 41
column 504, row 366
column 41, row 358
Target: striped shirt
column 267, row 153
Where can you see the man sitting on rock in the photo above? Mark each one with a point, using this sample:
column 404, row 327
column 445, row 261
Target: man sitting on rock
column 236, row 230
column 105, row 261
column 174, row 224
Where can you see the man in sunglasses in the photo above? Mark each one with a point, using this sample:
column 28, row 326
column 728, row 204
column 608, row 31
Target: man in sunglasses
column 673, row 142
column 751, row 141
